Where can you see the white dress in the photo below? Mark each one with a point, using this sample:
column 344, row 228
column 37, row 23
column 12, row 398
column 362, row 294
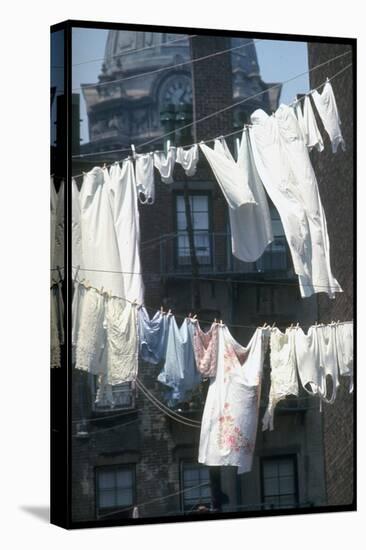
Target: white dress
column 283, row 163
column 126, row 222
column 283, row 372
column 100, row 264
column 230, row 417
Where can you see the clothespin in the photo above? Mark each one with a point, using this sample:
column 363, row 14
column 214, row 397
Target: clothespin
column 189, row 315
column 297, row 325
column 169, row 312
column 162, row 309
column 264, row 326
column 273, row 326
column 195, row 316
column 133, row 149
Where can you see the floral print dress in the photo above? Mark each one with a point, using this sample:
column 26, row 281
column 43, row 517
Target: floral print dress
column 230, row 416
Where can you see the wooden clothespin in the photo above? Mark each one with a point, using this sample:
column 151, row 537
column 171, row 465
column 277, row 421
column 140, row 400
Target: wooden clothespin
column 297, row 325
column 195, row 316
column 133, row 149
column 221, row 323
column 264, row 326
column 273, row 326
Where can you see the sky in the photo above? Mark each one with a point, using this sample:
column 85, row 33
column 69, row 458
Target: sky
column 278, row 61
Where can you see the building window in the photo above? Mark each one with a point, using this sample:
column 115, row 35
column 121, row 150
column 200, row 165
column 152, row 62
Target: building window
column 279, row 482
column 115, row 488
column 195, row 484
column 120, row 396
column 199, row 205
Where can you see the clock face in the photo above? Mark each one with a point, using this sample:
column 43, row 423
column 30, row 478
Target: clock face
column 176, row 90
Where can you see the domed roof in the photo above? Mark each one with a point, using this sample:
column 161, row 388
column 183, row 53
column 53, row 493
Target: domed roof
column 128, row 51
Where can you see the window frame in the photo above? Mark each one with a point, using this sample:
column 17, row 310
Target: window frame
column 114, row 467
column 104, row 410
column 192, row 193
column 293, row 457
column 191, row 462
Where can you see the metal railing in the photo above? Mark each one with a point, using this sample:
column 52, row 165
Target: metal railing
column 214, row 256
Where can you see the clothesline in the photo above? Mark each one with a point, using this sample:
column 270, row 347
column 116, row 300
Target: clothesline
column 245, row 100
column 177, row 316
column 175, row 66
column 203, row 278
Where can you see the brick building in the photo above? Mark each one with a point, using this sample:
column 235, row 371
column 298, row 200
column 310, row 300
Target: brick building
column 135, row 455
column 335, row 175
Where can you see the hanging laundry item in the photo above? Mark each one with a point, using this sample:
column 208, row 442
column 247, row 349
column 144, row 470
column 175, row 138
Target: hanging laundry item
column 75, row 228
column 180, row 373
column 233, row 182
column 91, row 338
column 100, row 264
column 144, row 170
column 285, row 169
column 308, row 360
column 283, row 372
column 230, row 416
column 56, row 332
column 328, row 112
column 308, row 126
column 165, row 164
column 250, row 221
column 153, row 335
column 328, row 360
column 76, row 309
column 121, row 341
column 122, row 186
column 205, row 345
column 57, row 232
column 344, row 338
column 188, row 158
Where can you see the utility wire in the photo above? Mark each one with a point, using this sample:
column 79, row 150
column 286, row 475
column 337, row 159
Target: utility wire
column 168, row 409
column 161, row 69
column 224, row 109
column 158, row 499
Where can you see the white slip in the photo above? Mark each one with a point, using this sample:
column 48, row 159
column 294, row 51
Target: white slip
column 328, row 112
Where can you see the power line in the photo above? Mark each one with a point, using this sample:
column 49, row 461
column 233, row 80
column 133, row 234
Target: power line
column 224, row 109
column 161, row 69
column 205, row 484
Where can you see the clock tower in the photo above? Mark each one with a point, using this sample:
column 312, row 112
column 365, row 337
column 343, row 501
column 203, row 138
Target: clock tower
column 133, row 90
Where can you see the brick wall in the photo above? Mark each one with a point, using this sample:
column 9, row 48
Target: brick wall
column 335, row 178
